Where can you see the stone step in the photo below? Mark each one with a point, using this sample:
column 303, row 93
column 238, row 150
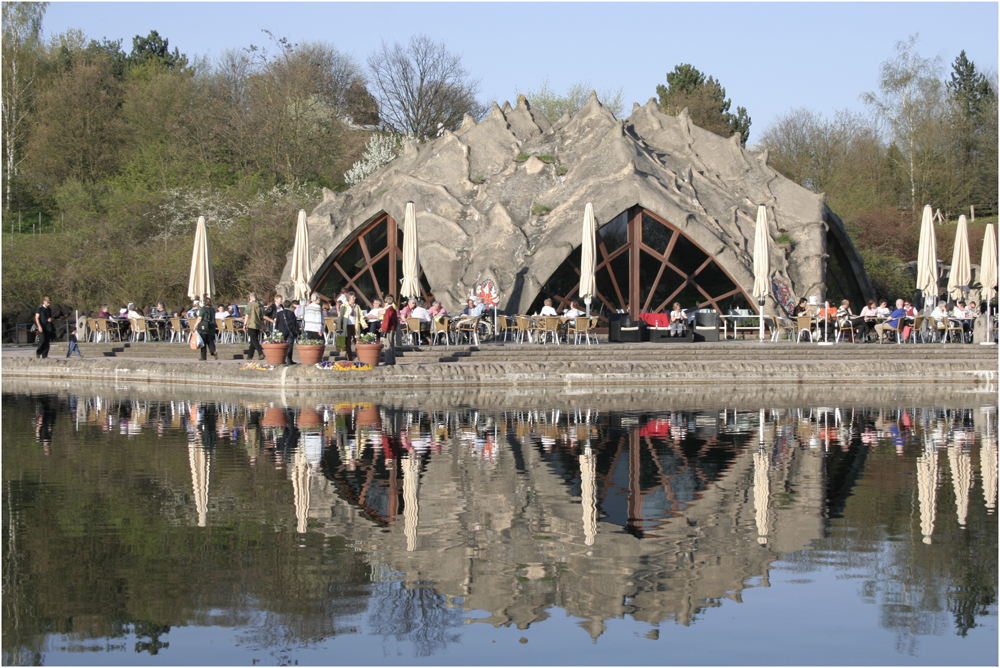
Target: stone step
column 634, row 352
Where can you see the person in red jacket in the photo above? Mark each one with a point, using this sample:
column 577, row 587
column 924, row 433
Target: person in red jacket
column 390, row 323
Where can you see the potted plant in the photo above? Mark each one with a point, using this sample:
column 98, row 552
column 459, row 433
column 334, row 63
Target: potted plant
column 310, row 350
column 369, row 349
column 275, row 348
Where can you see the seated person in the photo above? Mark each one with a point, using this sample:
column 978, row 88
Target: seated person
column 573, row 312
column 476, row 308
column 193, row 311
column 883, row 309
column 870, row 312
column 547, row 308
column 374, row 316
column 677, row 319
column 846, row 318
column 234, row 310
column 940, row 315
column 893, row 323
column 964, row 316
column 104, row 312
column 220, row 315
column 132, row 313
column 908, row 307
column 417, row 310
column 802, row 308
column 404, row 312
column 159, row 311
column 436, row 310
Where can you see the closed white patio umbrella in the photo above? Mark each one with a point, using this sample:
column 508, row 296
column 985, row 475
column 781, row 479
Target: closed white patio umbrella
column 761, row 264
column 588, row 257
column 411, row 258
column 201, row 282
column 927, row 276
column 988, row 274
column 961, row 268
column 301, row 265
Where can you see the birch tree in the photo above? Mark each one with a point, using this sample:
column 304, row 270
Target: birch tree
column 909, row 100
column 22, row 29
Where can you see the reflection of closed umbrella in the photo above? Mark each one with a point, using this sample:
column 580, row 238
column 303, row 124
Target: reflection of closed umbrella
column 927, row 277
column 761, row 263
column 961, row 270
column 201, row 469
column 301, row 266
column 761, row 493
column 201, row 282
column 927, row 472
column 961, row 480
column 411, row 480
column 300, row 488
column 988, row 272
column 588, row 497
column 988, row 456
column 411, row 259
column 588, row 257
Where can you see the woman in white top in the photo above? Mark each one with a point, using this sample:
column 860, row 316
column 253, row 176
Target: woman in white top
column 677, row 318
column 374, row 316
column 547, row 309
column 883, row 309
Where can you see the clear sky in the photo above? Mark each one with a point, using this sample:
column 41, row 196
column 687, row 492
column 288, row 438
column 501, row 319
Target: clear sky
column 770, row 57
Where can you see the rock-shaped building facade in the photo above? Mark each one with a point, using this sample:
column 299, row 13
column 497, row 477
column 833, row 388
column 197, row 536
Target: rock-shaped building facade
column 503, row 199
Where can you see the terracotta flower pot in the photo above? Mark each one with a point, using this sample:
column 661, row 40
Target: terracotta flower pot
column 309, row 418
column 312, row 354
column 369, row 353
column 275, row 353
column 368, row 415
column 274, row 417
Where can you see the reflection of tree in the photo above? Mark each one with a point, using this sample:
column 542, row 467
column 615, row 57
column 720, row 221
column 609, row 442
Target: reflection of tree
column 415, row 613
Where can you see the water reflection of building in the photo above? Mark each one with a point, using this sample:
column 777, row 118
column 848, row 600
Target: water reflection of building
column 652, row 515
column 678, row 520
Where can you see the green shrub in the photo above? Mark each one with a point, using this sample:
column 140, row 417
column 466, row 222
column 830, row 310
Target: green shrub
column 546, row 158
column 521, row 157
column 478, row 179
column 783, row 239
column 562, row 170
column 540, row 209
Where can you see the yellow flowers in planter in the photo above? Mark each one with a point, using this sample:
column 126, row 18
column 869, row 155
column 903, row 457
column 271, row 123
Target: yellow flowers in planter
column 344, row 365
column 257, row 366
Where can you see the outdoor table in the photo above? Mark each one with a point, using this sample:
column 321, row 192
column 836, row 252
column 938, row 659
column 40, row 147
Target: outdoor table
column 736, row 328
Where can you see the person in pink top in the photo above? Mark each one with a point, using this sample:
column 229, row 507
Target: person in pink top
column 436, row 309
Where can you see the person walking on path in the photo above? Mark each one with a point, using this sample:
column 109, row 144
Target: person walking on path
column 46, row 328
column 253, row 322
column 390, row 323
column 74, row 347
column 205, row 326
column 349, row 318
column 285, row 322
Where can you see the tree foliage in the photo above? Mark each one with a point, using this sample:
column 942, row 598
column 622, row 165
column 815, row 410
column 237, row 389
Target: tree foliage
column 706, row 102
column 553, row 105
column 421, row 87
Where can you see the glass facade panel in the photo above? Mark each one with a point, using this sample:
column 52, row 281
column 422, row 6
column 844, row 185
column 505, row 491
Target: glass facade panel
column 381, row 267
column 365, row 288
column 655, row 234
column 614, row 235
column 714, row 281
column 686, row 256
column 352, row 259
column 375, row 240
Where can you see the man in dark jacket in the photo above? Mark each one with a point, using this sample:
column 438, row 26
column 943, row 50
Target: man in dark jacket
column 285, row 322
column 205, row 326
column 46, row 328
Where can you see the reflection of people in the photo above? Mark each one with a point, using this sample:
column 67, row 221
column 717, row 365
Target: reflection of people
column 45, row 419
column 46, row 329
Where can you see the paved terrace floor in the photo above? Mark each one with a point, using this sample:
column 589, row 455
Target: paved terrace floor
column 515, row 364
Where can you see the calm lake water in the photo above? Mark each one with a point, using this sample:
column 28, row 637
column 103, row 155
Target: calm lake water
column 241, row 532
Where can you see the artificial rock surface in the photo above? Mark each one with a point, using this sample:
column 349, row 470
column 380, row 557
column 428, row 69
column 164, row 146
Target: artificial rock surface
column 475, row 201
